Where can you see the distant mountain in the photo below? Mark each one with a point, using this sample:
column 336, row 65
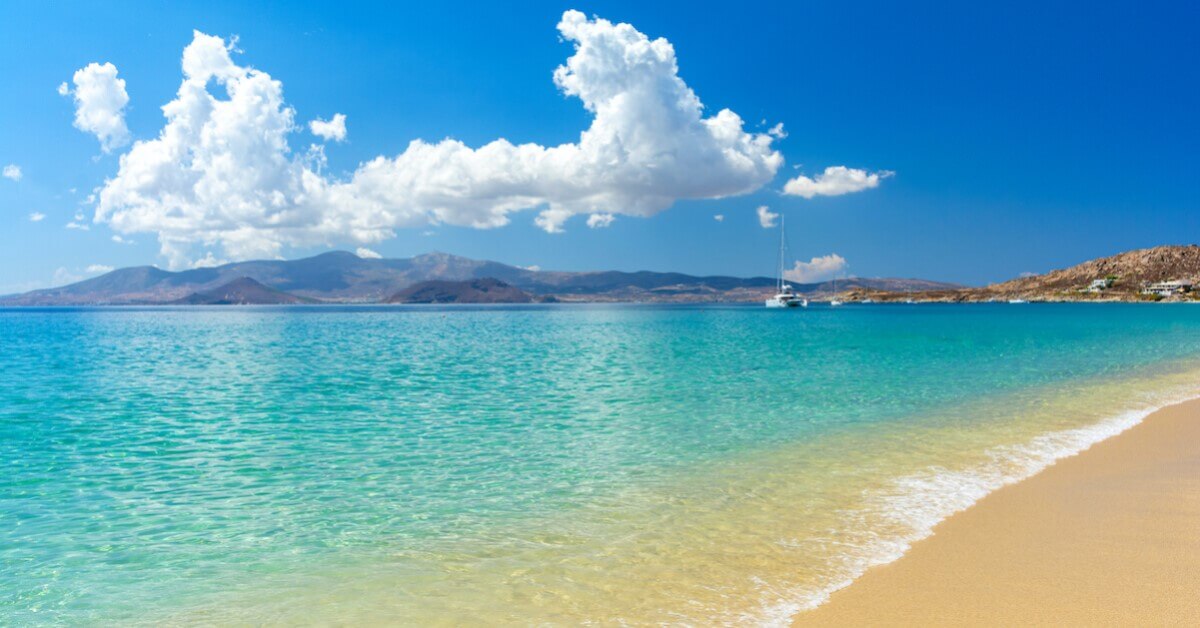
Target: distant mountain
column 1129, row 272
column 242, row 291
column 486, row 290
column 343, row 277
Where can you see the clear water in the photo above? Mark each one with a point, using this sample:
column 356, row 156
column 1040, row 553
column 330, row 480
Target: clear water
column 549, row 464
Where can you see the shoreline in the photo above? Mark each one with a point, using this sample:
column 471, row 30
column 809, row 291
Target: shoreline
column 1108, row 535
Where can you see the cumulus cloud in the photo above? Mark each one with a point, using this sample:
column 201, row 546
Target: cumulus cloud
column 334, row 129
column 36, row 217
column 766, row 217
column 99, row 268
column 366, row 253
column 818, row 269
column 600, row 221
column 100, row 100
column 835, row 181
column 221, row 172
column 777, row 131
column 12, row 171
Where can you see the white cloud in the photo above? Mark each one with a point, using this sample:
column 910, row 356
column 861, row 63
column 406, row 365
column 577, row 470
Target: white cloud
column 777, row 131
column 719, row 217
column 600, row 221
column 99, row 268
column 222, row 173
column 100, row 100
column 63, row 276
column 119, row 240
column 208, row 261
column 78, row 223
column 334, row 129
column 533, row 267
column 366, row 253
column 12, row 171
column 818, row 269
column 36, row 217
column 766, row 217
column 63, row 89
column 835, row 181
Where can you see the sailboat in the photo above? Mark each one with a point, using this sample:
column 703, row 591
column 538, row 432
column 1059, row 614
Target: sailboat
column 784, row 295
column 834, row 301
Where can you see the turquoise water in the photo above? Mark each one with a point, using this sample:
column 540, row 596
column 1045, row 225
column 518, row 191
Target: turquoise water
column 520, row 464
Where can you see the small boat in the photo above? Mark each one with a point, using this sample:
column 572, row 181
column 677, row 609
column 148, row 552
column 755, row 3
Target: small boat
column 1017, row 301
column 784, row 295
column 834, row 301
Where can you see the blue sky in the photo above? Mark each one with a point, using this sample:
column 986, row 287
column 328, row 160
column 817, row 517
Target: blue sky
column 1022, row 137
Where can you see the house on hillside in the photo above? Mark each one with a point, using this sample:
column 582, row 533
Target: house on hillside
column 1100, row 285
column 1168, row 288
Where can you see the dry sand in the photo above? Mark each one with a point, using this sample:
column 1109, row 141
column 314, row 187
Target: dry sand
column 1108, row 537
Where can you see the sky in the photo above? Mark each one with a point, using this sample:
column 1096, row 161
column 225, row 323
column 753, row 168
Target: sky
column 965, row 142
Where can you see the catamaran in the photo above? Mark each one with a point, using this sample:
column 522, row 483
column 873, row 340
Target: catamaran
column 784, row 295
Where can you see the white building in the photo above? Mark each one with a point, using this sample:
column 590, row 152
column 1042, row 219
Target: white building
column 1168, row 288
column 1100, row 285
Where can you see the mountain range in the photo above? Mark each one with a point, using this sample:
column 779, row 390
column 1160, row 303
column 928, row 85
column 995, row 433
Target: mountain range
column 343, row 277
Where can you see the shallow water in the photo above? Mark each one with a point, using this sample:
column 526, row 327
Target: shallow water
column 529, row 464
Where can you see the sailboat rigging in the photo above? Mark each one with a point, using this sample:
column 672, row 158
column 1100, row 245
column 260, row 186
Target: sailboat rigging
column 784, row 295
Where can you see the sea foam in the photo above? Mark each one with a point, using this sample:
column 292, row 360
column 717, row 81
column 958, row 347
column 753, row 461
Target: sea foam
column 918, row 502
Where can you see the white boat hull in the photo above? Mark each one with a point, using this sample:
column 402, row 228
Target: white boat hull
column 786, row 301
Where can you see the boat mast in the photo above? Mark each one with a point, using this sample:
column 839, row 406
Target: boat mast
column 782, row 250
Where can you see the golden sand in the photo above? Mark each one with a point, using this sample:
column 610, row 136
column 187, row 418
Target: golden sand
column 1108, row 537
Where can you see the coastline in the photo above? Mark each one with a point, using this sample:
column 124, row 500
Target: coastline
column 1105, row 536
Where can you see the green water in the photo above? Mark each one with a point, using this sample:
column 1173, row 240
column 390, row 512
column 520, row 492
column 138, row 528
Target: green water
column 528, row 464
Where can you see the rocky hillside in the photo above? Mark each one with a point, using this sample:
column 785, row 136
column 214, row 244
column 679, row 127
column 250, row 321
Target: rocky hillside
column 486, row 290
column 1131, row 269
column 1129, row 272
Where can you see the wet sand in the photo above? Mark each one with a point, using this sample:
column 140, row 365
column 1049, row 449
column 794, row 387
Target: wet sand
column 1111, row 536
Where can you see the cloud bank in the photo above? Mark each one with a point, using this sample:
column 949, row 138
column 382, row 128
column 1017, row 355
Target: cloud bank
column 818, row 269
column 221, row 172
column 835, row 181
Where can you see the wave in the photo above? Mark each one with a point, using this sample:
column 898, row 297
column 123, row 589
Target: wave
column 914, row 504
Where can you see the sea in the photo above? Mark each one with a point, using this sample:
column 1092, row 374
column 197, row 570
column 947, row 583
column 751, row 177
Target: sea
column 548, row 464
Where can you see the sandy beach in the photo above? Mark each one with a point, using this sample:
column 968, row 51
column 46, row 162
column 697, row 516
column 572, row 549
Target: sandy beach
column 1111, row 536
